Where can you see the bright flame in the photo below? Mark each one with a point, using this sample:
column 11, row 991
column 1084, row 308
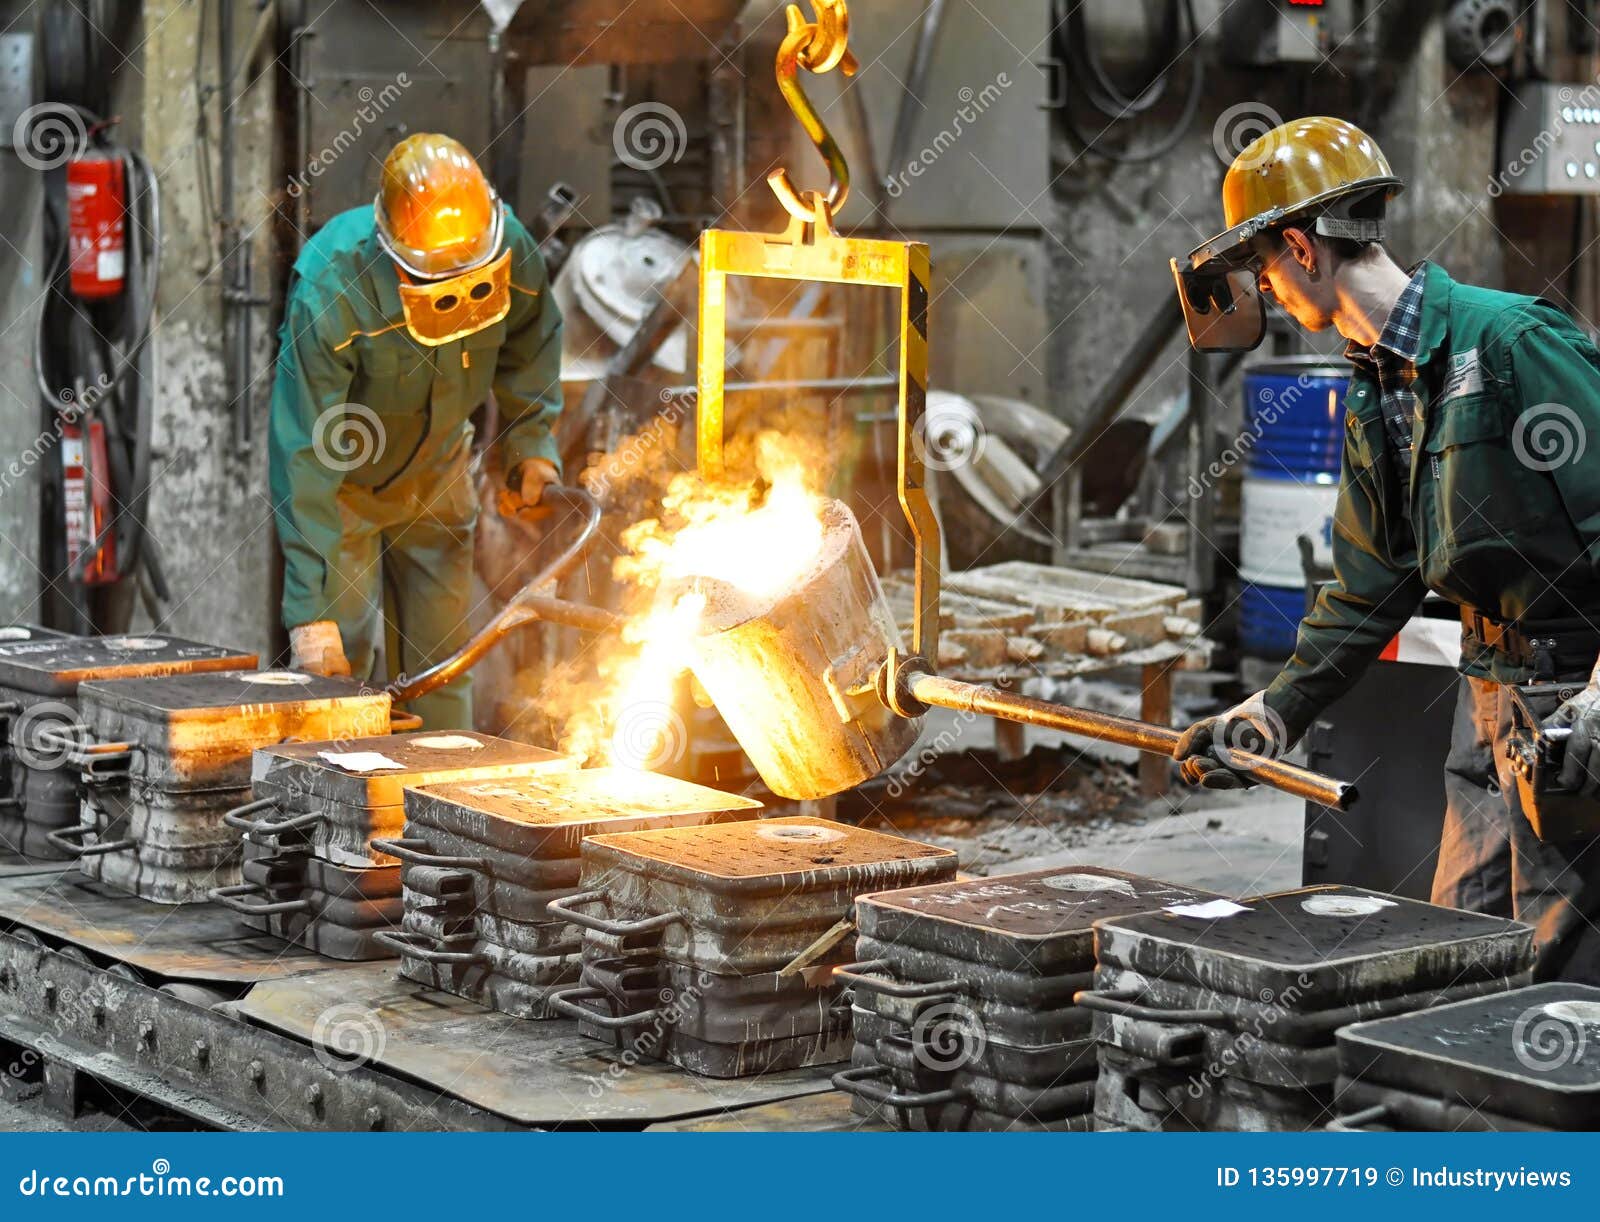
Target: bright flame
column 759, row 539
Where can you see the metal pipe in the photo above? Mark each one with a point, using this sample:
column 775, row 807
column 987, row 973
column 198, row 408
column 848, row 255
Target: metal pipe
column 1109, row 727
column 526, row 607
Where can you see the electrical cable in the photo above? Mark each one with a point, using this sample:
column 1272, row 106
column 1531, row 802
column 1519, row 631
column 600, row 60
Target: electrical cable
column 1085, row 80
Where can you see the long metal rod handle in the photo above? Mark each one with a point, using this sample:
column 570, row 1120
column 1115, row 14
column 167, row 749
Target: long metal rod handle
column 527, row 606
column 567, row 1002
column 1109, row 727
column 418, row 946
column 566, row 909
column 1123, row 1006
column 414, row 850
column 233, row 897
column 861, row 976
column 864, row 1080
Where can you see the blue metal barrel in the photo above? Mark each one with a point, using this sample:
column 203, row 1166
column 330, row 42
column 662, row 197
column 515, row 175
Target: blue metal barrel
column 1291, row 444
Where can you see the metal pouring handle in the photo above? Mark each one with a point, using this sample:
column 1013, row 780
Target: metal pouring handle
column 525, row 607
column 930, row 689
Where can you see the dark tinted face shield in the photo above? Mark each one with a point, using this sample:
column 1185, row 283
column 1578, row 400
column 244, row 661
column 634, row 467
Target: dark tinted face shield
column 1222, row 305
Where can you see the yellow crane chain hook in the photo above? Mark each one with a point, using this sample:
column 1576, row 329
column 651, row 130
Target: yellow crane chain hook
column 818, row 47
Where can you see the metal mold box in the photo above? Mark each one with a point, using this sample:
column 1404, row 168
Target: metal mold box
column 1039, row 923
column 549, row 815
column 55, row 666
column 1533, row 1054
column 198, row 731
column 298, row 773
column 748, row 897
column 1323, row 946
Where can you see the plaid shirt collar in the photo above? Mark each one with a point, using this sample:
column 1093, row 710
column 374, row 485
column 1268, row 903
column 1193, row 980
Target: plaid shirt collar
column 1402, row 333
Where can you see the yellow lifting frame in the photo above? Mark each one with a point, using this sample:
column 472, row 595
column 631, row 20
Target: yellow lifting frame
column 811, row 249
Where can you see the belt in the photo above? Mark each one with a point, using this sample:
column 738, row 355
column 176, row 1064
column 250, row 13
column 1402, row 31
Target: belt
column 1550, row 649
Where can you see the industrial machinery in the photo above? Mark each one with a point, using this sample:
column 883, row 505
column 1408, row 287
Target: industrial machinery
column 844, row 705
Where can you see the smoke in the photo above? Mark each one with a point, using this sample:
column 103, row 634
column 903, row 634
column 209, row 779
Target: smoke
column 613, row 702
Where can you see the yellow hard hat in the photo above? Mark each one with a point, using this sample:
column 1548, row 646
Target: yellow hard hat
column 437, row 215
column 1318, row 168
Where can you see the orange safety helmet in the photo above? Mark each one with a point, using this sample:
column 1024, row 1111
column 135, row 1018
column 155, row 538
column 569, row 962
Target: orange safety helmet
column 1322, row 172
column 1320, row 169
column 437, row 215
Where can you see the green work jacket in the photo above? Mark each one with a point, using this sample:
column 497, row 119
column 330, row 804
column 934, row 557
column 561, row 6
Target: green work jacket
column 1504, row 493
column 357, row 399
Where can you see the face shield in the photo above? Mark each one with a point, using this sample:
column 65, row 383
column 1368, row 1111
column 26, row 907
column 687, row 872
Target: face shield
column 1218, row 288
column 438, row 311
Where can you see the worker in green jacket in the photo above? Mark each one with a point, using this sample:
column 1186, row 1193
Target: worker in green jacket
column 403, row 316
column 1467, row 471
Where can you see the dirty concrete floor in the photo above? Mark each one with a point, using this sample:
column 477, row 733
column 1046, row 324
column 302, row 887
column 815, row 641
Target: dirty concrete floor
column 1065, row 804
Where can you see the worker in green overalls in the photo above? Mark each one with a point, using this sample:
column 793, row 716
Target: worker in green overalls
column 1471, row 469
column 403, row 316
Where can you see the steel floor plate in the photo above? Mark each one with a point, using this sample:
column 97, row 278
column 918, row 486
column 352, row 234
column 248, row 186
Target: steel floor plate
column 14, row 864
column 196, row 942
column 540, row 1074
column 828, row 1112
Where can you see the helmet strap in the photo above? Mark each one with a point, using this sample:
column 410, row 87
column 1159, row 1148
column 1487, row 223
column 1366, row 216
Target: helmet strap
column 1369, row 229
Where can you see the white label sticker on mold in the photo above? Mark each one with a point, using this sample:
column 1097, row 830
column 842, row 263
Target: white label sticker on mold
column 1089, row 882
column 801, row 833
column 359, row 761
column 447, row 742
column 135, row 642
column 1345, row 905
column 278, row 678
column 1209, row 911
column 12, row 633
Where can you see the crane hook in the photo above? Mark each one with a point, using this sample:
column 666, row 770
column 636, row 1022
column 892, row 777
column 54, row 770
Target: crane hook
column 818, row 46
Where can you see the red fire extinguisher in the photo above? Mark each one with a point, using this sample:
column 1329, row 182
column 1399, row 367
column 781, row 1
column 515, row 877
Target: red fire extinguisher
column 86, row 495
column 96, row 203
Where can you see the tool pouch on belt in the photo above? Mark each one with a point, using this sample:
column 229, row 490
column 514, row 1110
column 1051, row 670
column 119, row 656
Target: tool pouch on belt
column 1535, row 755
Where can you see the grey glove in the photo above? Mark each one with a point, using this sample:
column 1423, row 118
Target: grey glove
column 1580, row 763
column 1206, row 750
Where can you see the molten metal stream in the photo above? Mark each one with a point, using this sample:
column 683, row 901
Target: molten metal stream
column 1130, row 732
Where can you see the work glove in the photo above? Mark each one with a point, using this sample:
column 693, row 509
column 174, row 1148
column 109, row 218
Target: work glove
column 1206, row 749
column 317, row 649
column 1580, row 762
column 525, row 489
